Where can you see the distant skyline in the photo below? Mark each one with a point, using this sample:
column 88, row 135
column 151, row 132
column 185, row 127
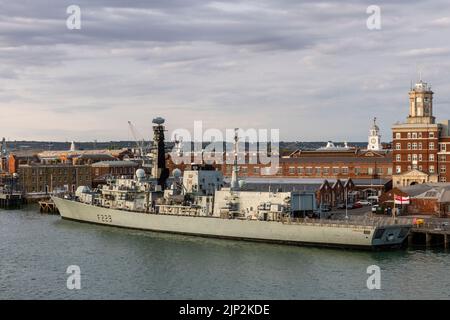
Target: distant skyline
column 309, row 68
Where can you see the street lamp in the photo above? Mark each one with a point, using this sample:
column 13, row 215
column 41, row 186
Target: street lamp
column 346, row 203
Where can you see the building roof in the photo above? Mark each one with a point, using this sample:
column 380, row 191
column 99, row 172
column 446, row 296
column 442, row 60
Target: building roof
column 337, row 160
column 24, row 153
column 51, row 165
column 309, row 181
column 115, row 164
column 68, row 153
column 439, row 191
column 104, row 156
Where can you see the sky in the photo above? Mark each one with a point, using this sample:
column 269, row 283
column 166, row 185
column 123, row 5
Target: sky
column 312, row 69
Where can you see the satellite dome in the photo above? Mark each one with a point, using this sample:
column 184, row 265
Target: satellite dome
column 176, row 173
column 140, row 173
column 158, row 120
column 82, row 189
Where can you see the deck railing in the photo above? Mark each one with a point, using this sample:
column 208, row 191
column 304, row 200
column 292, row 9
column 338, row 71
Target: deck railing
column 360, row 222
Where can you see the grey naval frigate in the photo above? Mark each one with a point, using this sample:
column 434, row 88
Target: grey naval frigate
column 198, row 203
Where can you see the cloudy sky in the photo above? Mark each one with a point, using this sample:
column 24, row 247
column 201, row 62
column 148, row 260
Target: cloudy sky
column 312, row 69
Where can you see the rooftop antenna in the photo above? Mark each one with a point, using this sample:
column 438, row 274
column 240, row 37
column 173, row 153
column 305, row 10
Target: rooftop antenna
column 419, row 72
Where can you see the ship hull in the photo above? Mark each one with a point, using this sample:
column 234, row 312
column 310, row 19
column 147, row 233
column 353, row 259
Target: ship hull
column 266, row 231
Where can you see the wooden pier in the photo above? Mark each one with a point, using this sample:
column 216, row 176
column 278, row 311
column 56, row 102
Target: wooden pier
column 48, row 206
column 430, row 235
column 11, row 200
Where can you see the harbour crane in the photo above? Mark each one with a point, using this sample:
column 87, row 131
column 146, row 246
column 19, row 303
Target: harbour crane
column 140, row 143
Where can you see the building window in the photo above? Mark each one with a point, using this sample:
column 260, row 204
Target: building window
column 256, row 170
column 431, row 169
column 370, row 170
column 398, row 169
column 414, row 146
column 345, row 170
column 420, row 135
column 443, row 147
column 431, row 145
column 420, row 157
column 358, row 170
column 409, row 146
column 443, row 169
column 443, row 179
column 308, row 170
column 414, row 157
column 409, row 157
column 389, row 171
column 379, row 171
column 318, row 171
column 443, row 158
column 301, row 171
column 326, row 171
column 398, row 158
column 420, row 145
column 291, row 170
column 431, row 157
column 398, row 146
column 409, row 135
column 431, row 135
column 335, row 170
column 398, row 135
column 414, row 135
column 420, row 168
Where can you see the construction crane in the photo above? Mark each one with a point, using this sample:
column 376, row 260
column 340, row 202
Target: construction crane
column 140, row 143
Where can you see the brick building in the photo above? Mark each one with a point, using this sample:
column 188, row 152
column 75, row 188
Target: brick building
column 79, row 157
column 45, row 178
column 328, row 162
column 420, row 144
column 104, row 169
column 321, row 164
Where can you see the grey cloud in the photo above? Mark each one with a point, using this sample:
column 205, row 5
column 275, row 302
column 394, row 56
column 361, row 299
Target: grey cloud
column 311, row 68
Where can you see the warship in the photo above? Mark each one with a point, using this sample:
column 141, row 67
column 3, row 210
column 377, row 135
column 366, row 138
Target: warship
column 197, row 202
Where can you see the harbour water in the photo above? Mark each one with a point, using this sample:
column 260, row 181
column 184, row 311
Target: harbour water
column 36, row 249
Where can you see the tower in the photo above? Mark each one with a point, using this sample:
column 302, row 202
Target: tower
column 416, row 142
column 159, row 170
column 72, row 146
column 374, row 137
column 421, row 104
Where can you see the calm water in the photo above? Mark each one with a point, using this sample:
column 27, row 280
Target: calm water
column 35, row 251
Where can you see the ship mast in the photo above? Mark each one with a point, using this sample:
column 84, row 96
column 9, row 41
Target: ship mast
column 234, row 184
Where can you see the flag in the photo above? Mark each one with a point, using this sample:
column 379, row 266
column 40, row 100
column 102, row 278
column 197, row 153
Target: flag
column 401, row 199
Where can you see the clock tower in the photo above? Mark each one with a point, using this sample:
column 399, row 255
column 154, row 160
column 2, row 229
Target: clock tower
column 374, row 137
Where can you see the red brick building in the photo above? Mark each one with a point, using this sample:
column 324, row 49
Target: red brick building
column 420, row 144
column 331, row 163
column 104, row 169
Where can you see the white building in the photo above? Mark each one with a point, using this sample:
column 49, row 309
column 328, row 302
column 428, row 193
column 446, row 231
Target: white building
column 374, row 137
